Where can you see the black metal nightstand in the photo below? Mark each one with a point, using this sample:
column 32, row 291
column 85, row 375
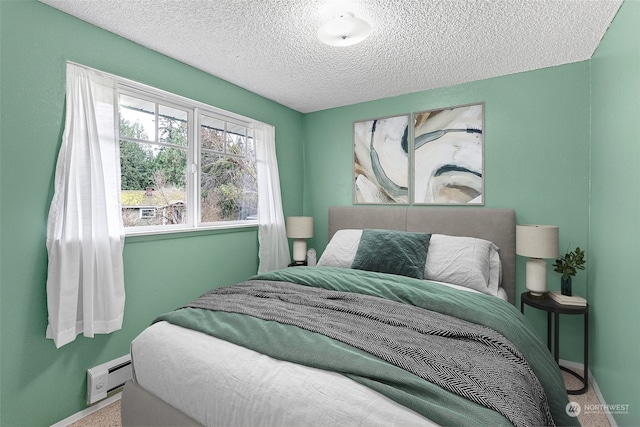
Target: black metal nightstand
column 550, row 306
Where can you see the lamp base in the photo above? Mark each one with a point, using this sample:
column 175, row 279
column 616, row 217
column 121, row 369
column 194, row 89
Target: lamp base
column 537, row 277
column 299, row 251
column 298, row 264
column 537, row 295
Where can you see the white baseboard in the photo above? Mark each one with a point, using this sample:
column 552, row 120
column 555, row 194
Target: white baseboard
column 88, row 411
column 580, row 366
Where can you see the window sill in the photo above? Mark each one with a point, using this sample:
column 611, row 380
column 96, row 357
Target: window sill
column 147, row 235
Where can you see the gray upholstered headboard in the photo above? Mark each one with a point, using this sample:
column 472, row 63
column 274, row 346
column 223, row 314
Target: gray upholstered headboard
column 496, row 225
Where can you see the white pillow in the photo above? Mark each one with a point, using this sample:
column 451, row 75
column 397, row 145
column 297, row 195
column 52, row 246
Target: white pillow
column 341, row 250
column 464, row 261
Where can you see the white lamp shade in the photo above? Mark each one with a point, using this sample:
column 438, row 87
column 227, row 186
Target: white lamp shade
column 537, row 241
column 299, row 227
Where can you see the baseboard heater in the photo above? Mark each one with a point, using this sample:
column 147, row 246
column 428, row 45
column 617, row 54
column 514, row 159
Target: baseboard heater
column 107, row 377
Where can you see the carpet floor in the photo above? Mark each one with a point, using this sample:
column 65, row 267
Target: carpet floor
column 590, row 415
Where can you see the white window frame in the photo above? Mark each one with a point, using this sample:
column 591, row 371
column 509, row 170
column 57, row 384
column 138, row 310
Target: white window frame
column 195, row 110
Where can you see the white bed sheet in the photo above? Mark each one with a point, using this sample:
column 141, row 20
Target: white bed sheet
column 218, row 383
column 502, row 294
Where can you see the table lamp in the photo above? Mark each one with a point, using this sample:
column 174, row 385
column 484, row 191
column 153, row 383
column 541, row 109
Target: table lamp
column 537, row 242
column 299, row 228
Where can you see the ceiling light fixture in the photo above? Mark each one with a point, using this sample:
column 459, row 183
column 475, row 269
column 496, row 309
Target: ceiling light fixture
column 344, row 30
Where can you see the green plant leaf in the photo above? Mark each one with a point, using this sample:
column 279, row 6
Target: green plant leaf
column 569, row 263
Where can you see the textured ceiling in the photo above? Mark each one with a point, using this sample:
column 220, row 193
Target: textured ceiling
column 270, row 47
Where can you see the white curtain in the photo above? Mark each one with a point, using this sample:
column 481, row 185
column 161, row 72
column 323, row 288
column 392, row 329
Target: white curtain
column 272, row 236
column 85, row 235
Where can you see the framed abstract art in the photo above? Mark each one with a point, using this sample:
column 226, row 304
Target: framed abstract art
column 448, row 156
column 381, row 161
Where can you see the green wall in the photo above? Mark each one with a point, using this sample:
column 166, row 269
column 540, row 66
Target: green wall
column 614, row 270
column 539, row 129
column 536, row 159
column 41, row 385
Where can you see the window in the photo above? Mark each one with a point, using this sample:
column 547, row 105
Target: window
column 183, row 165
column 228, row 182
column 147, row 213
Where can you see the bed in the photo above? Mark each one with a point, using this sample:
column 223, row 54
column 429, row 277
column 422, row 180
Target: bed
column 354, row 341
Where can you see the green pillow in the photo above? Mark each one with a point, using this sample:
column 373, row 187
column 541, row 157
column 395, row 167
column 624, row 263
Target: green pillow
column 395, row 252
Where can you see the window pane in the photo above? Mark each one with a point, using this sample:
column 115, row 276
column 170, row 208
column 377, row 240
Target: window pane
column 137, row 118
column 228, row 188
column 173, row 125
column 236, row 139
column 153, row 184
column 251, row 147
column 212, row 133
column 136, row 165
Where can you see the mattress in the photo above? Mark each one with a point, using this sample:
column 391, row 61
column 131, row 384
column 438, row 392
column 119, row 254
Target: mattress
column 221, row 384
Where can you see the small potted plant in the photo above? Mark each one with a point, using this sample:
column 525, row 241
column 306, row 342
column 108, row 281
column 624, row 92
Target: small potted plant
column 568, row 265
